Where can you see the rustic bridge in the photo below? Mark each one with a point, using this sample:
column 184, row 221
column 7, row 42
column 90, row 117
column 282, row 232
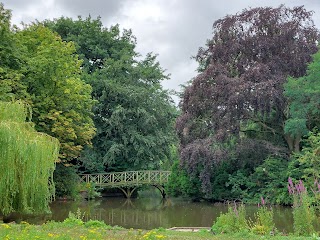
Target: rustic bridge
column 129, row 181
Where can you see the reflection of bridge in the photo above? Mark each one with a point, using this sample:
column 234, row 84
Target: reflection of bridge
column 129, row 181
column 131, row 214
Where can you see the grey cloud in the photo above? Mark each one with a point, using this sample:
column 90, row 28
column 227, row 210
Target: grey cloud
column 105, row 9
column 176, row 37
column 19, row 4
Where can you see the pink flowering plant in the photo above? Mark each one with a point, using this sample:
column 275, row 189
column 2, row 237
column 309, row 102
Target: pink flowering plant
column 303, row 210
column 316, row 191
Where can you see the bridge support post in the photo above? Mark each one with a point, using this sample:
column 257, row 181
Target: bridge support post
column 128, row 191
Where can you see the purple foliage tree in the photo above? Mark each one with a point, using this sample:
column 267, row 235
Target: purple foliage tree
column 242, row 72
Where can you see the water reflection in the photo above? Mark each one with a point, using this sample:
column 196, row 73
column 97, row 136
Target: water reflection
column 148, row 213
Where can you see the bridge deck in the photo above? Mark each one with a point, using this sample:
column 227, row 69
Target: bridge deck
column 126, row 179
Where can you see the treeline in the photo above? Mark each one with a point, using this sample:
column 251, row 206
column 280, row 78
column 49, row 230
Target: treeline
column 250, row 117
column 247, row 122
column 87, row 86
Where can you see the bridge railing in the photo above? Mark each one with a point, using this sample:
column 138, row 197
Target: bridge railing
column 129, row 178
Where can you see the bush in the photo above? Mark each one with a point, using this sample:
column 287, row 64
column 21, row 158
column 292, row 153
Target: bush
column 74, row 219
column 66, row 181
column 181, row 184
column 231, row 222
column 95, row 223
column 264, row 221
column 268, row 179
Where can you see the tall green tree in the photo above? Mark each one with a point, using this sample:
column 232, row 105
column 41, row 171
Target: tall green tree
column 27, row 162
column 303, row 95
column 61, row 101
column 133, row 115
column 44, row 71
column 10, row 59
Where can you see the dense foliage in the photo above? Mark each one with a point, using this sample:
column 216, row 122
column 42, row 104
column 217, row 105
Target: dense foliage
column 246, row 118
column 82, row 80
column 27, row 162
column 42, row 70
column 303, row 95
column 235, row 111
column 133, row 114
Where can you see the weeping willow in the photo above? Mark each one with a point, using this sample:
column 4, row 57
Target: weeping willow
column 27, row 162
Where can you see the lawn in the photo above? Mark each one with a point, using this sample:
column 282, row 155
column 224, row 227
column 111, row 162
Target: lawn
column 97, row 230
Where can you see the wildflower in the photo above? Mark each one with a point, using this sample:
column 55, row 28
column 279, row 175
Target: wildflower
column 160, row 236
column 50, row 234
column 290, row 181
column 5, row 225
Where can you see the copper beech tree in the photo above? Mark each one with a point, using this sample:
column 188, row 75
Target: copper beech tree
column 237, row 96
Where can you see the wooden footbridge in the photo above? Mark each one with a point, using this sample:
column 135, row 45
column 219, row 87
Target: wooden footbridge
column 129, row 181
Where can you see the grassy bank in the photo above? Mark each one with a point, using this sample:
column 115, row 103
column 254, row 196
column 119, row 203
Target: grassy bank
column 97, row 230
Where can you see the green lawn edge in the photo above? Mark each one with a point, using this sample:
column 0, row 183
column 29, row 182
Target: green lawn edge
column 66, row 231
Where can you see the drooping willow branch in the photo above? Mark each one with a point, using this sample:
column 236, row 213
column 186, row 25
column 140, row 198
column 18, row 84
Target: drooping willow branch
column 27, row 162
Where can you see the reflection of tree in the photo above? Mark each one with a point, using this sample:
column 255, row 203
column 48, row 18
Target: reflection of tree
column 155, row 213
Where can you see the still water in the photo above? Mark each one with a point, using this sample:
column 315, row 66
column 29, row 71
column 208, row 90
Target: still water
column 149, row 213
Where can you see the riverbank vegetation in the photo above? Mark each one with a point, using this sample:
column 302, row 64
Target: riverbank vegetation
column 250, row 118
column 27, row 161
column 247, row 122
column 88, row 87
column 99, row 230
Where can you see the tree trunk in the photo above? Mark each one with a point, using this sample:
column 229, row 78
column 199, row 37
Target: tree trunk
column 290, row 142
column 297, row 143
column 293, row 143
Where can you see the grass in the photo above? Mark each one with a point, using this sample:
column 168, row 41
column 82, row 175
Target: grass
column 97, row 230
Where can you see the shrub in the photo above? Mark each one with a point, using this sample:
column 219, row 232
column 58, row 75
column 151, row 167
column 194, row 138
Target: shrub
column 303, row 212
column 231, row 222
column 264, row 220
column 74, row 219
column 66, row 181
column 180, row 183
column 95, row 223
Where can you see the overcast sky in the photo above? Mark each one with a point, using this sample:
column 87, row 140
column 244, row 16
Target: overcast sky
column 174, row 29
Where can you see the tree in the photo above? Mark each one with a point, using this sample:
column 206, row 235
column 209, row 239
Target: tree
column 61, row 102
column 303, row 95
column 27, row 161
column 133, row 114
column 94, row 43
column 238, row 94
column 10, row 59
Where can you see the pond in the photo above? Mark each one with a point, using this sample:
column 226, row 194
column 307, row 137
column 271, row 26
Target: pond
column 149, row 213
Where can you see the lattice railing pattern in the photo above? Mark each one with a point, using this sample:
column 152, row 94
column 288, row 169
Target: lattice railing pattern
column 130, row 178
